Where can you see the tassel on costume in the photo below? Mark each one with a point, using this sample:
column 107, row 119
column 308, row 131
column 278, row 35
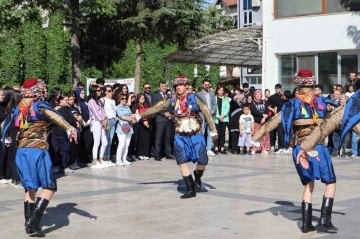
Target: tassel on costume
column 26, row 125
column 22, row 124
column 17, row 123
column 32, row 113
column 304, row 112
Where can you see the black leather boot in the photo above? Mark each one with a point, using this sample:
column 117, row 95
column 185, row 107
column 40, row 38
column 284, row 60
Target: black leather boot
column 190, row 185
column 198, row 174
column 28, row 210
column 307, row 218
column 34, row 221
column 325, row 224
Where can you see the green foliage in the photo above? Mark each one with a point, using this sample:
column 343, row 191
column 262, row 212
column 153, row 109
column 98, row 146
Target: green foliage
column 352, row 5
column 58, row 59
column 34, row 52
column 10, row 59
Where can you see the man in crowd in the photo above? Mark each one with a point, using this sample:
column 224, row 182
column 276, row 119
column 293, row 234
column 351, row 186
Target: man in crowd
column 276, row 101
column 163, row 126
column 352, row 79
column 209, row 98
column 318, row 90
column 147, row 93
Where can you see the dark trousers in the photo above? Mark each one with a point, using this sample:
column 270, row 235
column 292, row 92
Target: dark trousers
column 8, row 169
column 221, row 129
column 144, row 143
column 61, row 146
column 163, row 134
column 74, row 151
column 279, row 131
column 133, row 147
column 234, row 140
column 87, row 143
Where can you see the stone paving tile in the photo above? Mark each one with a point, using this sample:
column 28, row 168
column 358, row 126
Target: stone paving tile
column 247, row 197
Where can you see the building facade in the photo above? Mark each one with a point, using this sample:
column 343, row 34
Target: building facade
column 319, row 35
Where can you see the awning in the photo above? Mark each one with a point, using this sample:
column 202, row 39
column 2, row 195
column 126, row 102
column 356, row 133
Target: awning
column 238, row 47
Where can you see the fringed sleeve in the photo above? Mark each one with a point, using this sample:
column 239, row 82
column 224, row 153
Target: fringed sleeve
column 160, row 106
column 206, row 112
column 56, row 119
column 330, row 123
column 269, row 126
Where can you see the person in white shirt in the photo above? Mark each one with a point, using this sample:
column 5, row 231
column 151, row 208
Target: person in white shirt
column 350, row 90
column 246, row 126
column 110, row 111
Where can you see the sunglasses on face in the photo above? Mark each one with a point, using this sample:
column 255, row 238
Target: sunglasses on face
column 109, row 91
column 123, row 98
column 98, row 90
column 147, row 88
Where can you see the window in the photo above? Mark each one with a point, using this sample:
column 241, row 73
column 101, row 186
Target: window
column 328, row 71
column 247, row 13
column 306, row 62
column 287, row 71
column 292, row 8
column 349, row 63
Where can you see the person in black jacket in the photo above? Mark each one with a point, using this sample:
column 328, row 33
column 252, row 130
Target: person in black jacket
column 60, row 141
column 235, row 113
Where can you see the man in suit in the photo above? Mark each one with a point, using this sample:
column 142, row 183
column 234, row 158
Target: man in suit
column 147, row 93
column 163, row 126
column 209, row 98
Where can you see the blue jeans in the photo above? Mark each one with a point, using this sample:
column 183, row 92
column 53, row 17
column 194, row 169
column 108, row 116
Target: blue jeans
column 208, row 139
column 109, row 136
column 354, row 143
column 337, row 144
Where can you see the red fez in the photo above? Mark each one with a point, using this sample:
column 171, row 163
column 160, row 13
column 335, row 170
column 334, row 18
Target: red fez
column 30, row 83
column 305, row 73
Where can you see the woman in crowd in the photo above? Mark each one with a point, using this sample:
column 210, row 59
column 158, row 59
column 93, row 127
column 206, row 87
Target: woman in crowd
column 74, row 148
column 350, row 90
column 54, row 95
column 9, row 174
column 221, row 119
column 110, row 111
column 267, row 95
column 259, row 112
column 144, row 130
column 98, row 125
column 124, row 130
column 60, row 141
column 86, row 135
column 132, row 153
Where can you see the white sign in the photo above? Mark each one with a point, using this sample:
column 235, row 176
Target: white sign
column 130, row 82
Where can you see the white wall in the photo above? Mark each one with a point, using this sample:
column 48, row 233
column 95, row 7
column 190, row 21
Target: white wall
column 305, row 34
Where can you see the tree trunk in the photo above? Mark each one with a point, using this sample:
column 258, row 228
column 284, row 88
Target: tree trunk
column 138, row 62
column 104, row 65
column 75, row 45
column 229, row 72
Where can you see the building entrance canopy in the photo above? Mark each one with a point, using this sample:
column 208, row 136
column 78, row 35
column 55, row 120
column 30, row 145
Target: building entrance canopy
column 238, row 47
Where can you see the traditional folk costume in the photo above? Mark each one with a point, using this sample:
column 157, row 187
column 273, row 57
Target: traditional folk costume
column 189, row 142
column 33, row 116
column 301, row 117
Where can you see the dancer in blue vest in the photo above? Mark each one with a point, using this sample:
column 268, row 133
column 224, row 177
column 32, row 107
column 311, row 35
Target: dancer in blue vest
column 300, row 117
column 189, row 145
column 33, row 116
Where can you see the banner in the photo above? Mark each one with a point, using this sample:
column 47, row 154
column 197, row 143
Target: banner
column 130, row 82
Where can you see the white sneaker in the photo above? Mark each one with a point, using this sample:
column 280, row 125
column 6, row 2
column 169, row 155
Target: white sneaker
column 120, row 163
column 210, row 153
column 280, row 151
column 272, row 149
column 253, row 152
column 97, row 166
column 4, row 181
column 105, row 164
column 264, row 152
column 141, row 157
column 147, row 158
column 111, row 164
column 126, row 162
column 286, row 151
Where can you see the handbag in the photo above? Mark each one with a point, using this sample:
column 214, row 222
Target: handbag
column 125, row 126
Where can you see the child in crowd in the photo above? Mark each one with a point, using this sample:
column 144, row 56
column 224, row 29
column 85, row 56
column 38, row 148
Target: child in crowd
column 246, row 126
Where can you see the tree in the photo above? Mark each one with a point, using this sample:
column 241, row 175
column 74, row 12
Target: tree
column 177, row 21
column 351, row 5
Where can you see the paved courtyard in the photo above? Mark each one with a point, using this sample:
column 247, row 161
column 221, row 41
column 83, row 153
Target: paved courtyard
column 247, row 197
